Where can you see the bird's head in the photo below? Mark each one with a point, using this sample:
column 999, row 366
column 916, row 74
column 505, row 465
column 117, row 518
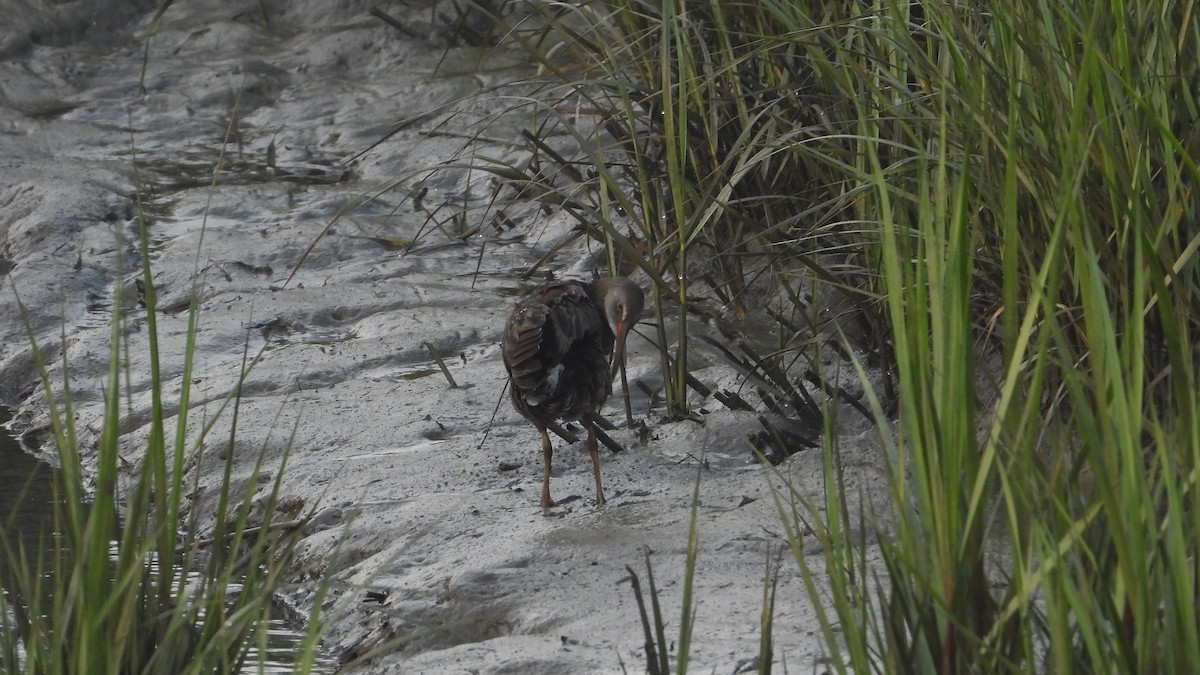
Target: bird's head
column 621, row 301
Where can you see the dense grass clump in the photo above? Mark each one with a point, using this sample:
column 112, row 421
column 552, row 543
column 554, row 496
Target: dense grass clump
column 1007, row 193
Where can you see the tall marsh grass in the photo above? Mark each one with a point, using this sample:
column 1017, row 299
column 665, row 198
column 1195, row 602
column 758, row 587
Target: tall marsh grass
column 1008, row 193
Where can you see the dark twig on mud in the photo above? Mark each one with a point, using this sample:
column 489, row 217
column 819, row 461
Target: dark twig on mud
column 788, row 324
column 786, row 442
column 441, row 364
column 733, row 401
column 564, row 165
column 802, row 402
column 749, row 370
column 608, row 441
column 560, row 431
column 394, row 23
column 603, row 423
column 604, row 438
column 839, row 393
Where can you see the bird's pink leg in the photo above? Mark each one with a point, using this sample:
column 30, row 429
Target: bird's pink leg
column 595, row 453
column 547, row 454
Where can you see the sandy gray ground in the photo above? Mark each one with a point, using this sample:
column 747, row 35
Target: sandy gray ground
column 418, row 503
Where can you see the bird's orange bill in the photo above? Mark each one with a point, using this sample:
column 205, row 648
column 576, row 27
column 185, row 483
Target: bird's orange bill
column 618, row 353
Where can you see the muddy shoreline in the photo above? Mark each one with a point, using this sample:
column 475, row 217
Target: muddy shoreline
column 420, row 506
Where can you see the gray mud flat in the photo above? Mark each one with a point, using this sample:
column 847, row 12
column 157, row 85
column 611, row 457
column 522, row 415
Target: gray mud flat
column 438, row 522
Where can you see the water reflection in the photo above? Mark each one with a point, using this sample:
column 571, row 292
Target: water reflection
column 26, row 502
column 27, row 497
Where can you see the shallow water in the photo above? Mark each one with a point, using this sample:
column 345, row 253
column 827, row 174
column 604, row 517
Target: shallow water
column 27, row 506
column 26, row 495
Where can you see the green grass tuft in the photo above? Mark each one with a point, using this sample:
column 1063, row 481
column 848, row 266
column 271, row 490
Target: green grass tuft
column 127, row 586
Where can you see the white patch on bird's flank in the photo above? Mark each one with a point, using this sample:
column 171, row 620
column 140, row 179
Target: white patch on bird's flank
column 552, row 377
column 548, row 389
